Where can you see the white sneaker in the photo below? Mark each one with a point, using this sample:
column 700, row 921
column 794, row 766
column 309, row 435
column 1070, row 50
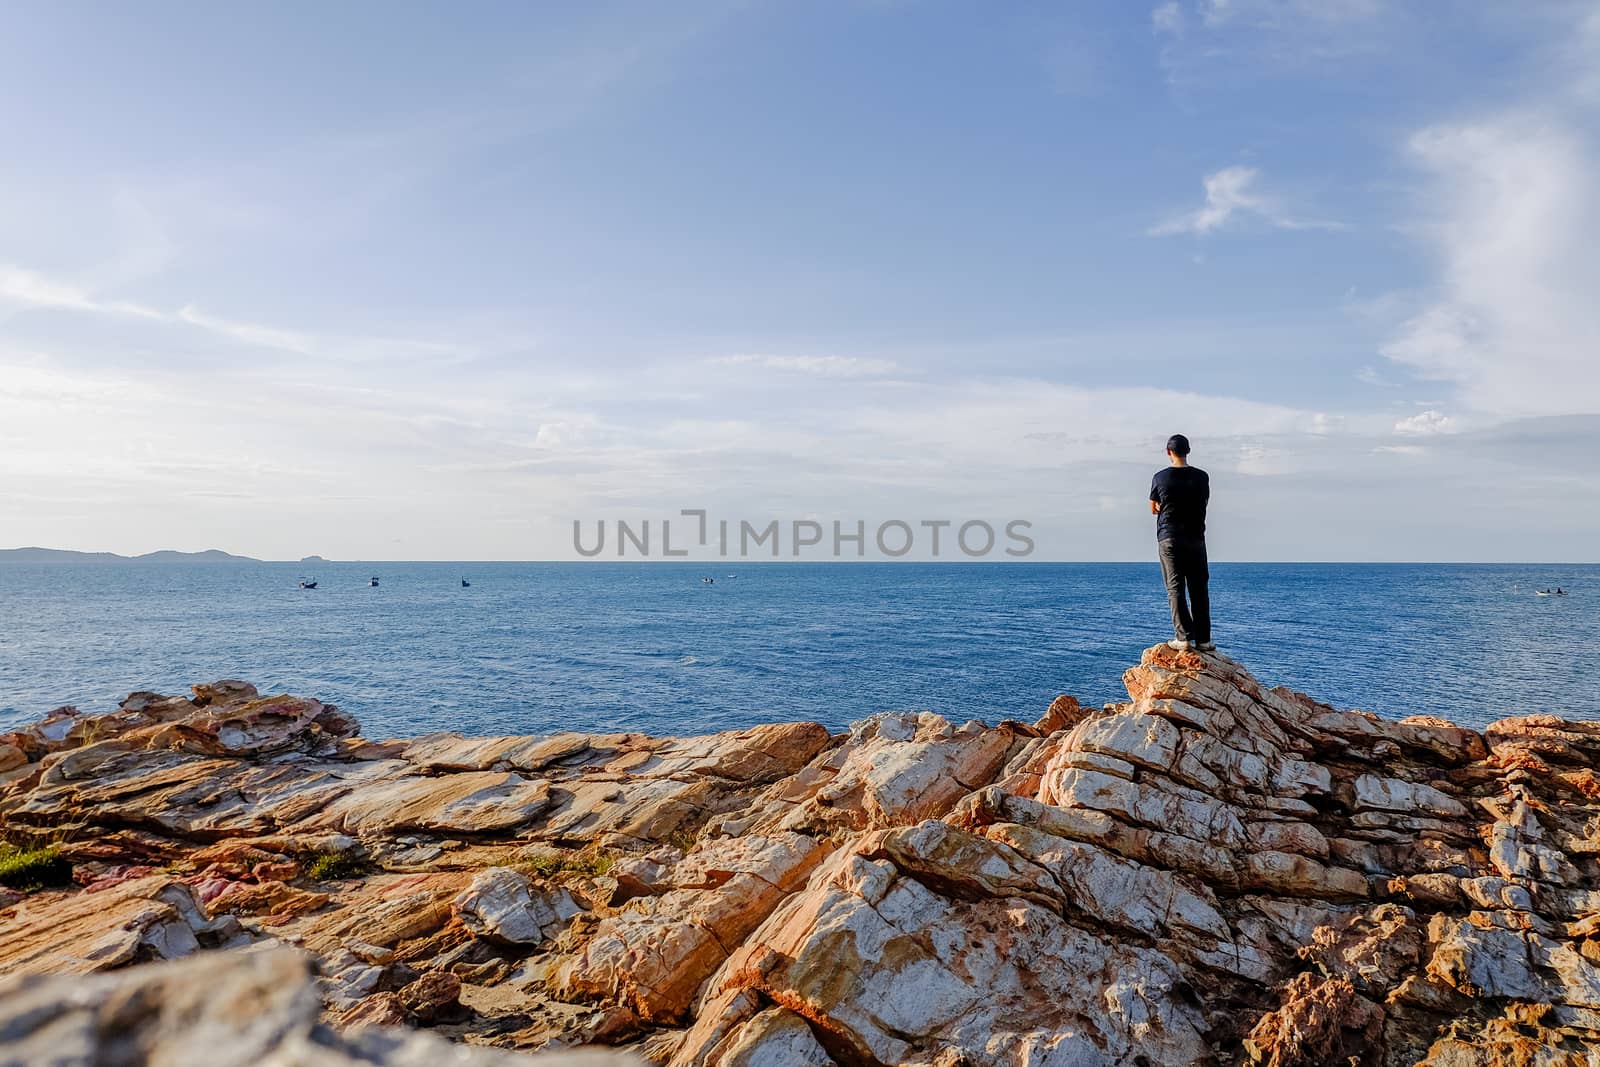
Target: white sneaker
column 1207, row 646
column 1179, row 644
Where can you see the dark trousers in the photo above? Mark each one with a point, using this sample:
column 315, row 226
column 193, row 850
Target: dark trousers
column 1183, row 565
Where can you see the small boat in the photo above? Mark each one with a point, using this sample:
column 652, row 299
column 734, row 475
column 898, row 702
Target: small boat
column 1544, row 592
column 308, row 584
column 373, row 581
column 708, row 581
column 465, row 584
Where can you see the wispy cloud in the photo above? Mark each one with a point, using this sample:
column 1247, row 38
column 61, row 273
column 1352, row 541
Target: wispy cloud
column 250, row 333
column 1425, row 423
column 822, row 366
column 1232, row 195
column 20, row 286
column 1208, row 43
column 24, row 289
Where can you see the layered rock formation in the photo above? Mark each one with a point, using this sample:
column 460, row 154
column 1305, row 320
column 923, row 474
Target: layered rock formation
column 1212, row 872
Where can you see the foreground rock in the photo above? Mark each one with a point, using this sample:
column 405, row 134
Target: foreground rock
column 235, row 1009
column 1212, row 872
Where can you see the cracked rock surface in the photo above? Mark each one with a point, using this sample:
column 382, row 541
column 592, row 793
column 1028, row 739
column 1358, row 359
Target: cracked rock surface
column 1212, row 872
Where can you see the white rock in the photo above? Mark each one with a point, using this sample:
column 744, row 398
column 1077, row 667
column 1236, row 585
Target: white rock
column 1392, row 794
column 498, row 906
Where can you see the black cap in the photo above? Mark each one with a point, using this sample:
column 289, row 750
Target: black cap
column 1178, row 445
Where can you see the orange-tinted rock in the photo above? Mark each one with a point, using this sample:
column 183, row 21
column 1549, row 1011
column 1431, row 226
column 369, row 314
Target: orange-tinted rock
column 654, row 954
column 1063, row 714
column 432, row 997
column 273, row 903
column 11, row 756
column 380, row 1009
column 1320, row 1022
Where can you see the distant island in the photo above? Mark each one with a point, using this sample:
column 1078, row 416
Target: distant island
column 62, row 555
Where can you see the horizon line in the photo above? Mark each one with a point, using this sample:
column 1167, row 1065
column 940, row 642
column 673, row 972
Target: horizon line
column 767, row 561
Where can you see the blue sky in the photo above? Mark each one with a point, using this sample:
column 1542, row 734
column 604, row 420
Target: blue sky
column 385, row 281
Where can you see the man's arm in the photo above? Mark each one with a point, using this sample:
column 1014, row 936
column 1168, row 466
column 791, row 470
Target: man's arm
column 1155, row 498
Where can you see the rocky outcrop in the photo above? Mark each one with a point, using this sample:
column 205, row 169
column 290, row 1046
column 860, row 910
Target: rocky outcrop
column 1212, row 872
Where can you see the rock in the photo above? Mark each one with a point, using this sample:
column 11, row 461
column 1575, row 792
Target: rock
column 227, row 691
column 380, row 1009
column 498, row 906
column 1391, row 794
column 432, row 997
column 383, row 912
column 1321, row 1022
column 146, row 918
column 776, row 1037
column 1210, row 871
column 233, row 1009
column 898, row 970
column 1063, row 713
column 11, row 756
column 897, row 768
column 273, row 902
column 472, row 802
column 244, row 859
column 656, row 952
column 99, row 879
column 1375, row 950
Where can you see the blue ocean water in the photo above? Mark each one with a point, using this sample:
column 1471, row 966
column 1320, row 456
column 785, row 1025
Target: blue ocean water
column 536, row 647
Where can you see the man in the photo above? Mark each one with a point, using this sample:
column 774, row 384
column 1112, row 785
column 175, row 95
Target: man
column 1178, row 497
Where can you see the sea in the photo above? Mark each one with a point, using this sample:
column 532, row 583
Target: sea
column 534, row 648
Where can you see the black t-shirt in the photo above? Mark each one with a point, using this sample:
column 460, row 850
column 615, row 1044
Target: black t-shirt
column 1182, row 492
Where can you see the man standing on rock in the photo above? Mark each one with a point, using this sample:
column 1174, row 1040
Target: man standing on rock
column 1178, row 497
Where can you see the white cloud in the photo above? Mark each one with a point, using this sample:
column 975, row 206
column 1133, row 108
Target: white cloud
column 26, row 287
column 1425, row 423
column 1510, row 212
column 1513, row 219
column 1007, row 430
column 1231, row 194
column 822, row 366
column 1255, row 461
column 555, row 435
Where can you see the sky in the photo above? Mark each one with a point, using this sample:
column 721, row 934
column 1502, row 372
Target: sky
column 395, row 281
